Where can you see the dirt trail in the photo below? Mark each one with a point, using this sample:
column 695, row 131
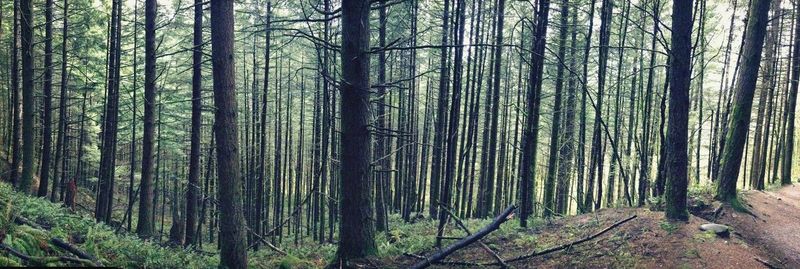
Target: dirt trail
column 774, row 224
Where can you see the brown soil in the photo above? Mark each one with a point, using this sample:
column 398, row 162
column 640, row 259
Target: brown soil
column 764, row 237
column 772, row 223
column 644, row 242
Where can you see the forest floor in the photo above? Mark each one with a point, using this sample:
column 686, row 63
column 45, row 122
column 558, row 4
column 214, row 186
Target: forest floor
column 773, row 223
column 765, row 237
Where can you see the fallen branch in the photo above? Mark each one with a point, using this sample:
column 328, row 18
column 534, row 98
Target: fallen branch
column 262, row 240
column 765, row 263
column 45, row 260
column 74, row 250
column 58, row 242
column 443, row 262
column 441, row 254
column 568, row 245
column 23, row 221
column 460, row 224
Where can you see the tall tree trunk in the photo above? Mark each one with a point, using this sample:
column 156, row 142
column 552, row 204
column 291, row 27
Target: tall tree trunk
column 445, row 196
column 764, row 100
column 131, row 194
column 26, row 21
column 488, row 193
column 743, row 100
column 262, row 180
column 617, row 106
column 646, row 151
column 678, row 128
column 356, row 226
column 232, row 227
column 552, row 163
column 718, row 125
column 193, row 187
column 791, row 103
column 62, row 109
column 16, row 134
column 527, row 165
column 567, row 149
column 584, row 98
column 440, row 128
column 109, row 131
column 381, row 153
column 144, row 225
column 47, row 89
column 598, row 153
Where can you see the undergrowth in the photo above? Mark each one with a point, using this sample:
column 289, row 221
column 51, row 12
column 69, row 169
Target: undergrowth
column 125, row 250
column 98, row 240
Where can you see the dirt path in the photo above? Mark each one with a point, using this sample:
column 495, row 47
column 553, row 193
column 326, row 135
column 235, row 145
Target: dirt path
column 768, row 237
column 774, row 224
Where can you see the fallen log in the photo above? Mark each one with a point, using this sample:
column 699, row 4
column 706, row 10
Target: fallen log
column 19, row 220
column 444, row 262
column 765, row 263
column 441, row 254
column 460, row 224
column 74, row 250
column 45, row 260
column 59, row 243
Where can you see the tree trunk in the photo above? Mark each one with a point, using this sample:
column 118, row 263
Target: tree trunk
column 144, row 225
column 193, row 187
column 646, row 151
column 791, row 103
column 743, row 100
column 678, row 128
column 527, row 164
column 262, row 180
column 26, row 21
column 764, row 100
column 62, row 110
column 16, row 134
column 232, row 228
column 445, row 196
column 357, row 230
column 584, row 98
column 598, row 154
column 381, row 176
column 567, row 149
column 552, row 163
column 47, row 122
column 110, row 115
column 440, row 128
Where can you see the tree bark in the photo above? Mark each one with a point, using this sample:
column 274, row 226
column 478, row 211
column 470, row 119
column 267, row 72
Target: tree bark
column 26, row 23
column 549, row 199
column 193, row 187
column 47, row 89
column 743, row 100
column 232, row 228
column 678, row 127
column 791, row 103
column 527, row 172
column 357, row 227
column 144, row 226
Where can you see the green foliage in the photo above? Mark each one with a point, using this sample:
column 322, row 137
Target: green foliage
column 704, row 236
column 701, row 191
column 290, row 262
column 125, row 251
column 670, row 227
